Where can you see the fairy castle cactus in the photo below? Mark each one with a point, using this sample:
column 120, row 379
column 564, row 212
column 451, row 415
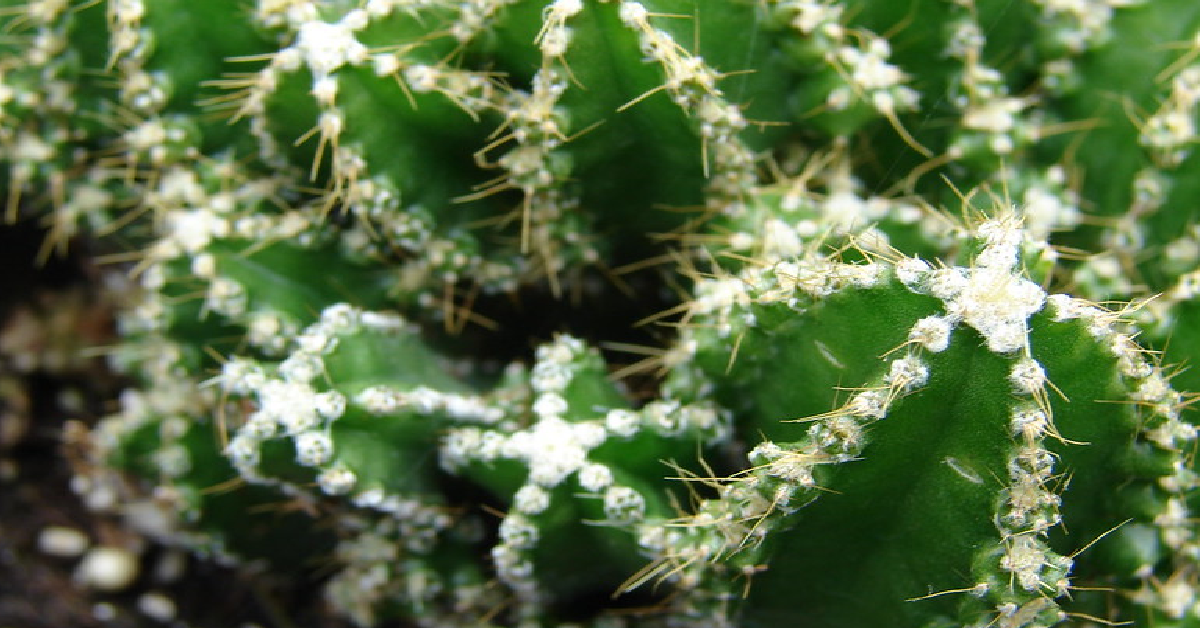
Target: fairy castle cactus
column 827, row 313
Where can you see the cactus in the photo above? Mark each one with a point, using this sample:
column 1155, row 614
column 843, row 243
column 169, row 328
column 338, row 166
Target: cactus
column 662, row 313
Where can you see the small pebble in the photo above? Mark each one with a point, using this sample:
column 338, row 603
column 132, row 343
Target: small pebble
column 62, row 542
column 104, row 612
column 156, row 606
column 9, row 470
column 108, row 569
column 170, row 567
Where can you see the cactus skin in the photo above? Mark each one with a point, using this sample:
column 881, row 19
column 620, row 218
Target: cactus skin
column 877, row 397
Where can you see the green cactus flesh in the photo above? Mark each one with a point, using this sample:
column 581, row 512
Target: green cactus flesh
column 917, row 286
column 965, row 431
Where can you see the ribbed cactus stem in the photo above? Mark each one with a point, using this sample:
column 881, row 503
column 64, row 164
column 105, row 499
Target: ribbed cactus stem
column 961, row 422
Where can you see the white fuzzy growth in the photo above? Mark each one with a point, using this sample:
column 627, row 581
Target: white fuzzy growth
column 316, row 340
column 1173, row 434
column 470, row 408
column 550, row 376
column 1032, row 463
column 516, row 531
column 869, row 403
column 326, row 47
column 242, row 451
column 462, row 445
column 1065, row 307
column 997, row 303
column 550, row 405
column 204, row 265
column 781, row 240
column 423, row 400
column 633, row 13
column 330, row 123
column 563, row 350
column 1176, row 524
column 336, row 481
column 240, row 376
column 1030, row 423
column 1027, row 498
column 858, row 275
column 384, row 322
column 1028, row 376
column 378, row 400
column 698, row 417
column 911, row 271
column 512, row 567
column 1177, row 598
column 291, row 404
column 908, row 373
column 563, row 9
column 227, row 297
column 313, row 448
column 369, row 498
column 624, row 504
column 1153, row 388
column 1046, row 210
column 991, row 296
column 1025, row 558
column 766, row 452
column 664, row 417
column 595, row 477
column 554, row 448
column 301, row 368
column 531, row 499
column 421, row 77
column 994, row 115
column 946, row 283
column 795, row 468
column 932, row 333
column 869, row 68
column 324, row 91
column 621, row 422
column 385, row 64
column 330, row 404
column 193, row 230
column 811, row 14
column 555, row 40
column 721, row 295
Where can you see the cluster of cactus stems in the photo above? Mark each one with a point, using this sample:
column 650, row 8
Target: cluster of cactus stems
column 927, row 277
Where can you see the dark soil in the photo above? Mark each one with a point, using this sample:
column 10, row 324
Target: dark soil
column 49, row 390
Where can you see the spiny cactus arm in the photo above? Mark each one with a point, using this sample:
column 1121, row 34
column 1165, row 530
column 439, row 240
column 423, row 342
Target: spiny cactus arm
column 1143, row 112
column 656, row 87
column 165, row 59
column 587, row 470
column 613, row 89
column 224, row 264
column 44, row 88
column 1169, row 324
column 349, row 421
column 197, row 500
column 389, row 574
column 359, row 408
column 980, row 385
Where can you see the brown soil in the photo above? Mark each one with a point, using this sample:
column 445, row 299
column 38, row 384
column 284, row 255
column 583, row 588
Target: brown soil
column 48, row 390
